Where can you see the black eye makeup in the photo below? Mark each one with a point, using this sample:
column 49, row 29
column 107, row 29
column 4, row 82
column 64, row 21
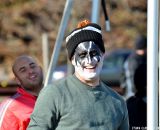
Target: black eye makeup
column 82, row 55
column 89, row 47
column 87, row 52
column 94, row 53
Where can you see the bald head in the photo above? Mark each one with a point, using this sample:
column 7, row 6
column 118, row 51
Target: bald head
column 28, row 73
column 20, row 59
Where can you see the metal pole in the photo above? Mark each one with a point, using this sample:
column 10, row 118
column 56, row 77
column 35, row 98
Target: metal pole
column 59, row 41
column 152, row 65
column 45, row 52
column 95, row 11
column 159, row 80
column 159, row 61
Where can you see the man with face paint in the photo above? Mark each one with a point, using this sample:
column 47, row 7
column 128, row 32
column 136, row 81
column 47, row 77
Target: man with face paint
column 81, row 101
column 88, row 61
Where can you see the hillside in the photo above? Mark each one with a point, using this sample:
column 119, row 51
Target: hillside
column 22, row 23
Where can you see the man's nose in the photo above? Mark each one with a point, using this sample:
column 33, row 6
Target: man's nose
column 30, row 70
column 89, row 60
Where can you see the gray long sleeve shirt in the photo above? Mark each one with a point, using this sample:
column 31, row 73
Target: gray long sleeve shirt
column 72, row 105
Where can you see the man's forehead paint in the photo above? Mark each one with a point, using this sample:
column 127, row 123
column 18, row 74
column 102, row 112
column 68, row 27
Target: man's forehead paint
column 89, row 45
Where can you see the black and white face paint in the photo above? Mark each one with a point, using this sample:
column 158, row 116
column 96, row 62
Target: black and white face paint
column 88, row 60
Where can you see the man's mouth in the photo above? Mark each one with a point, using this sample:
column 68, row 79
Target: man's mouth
column 33, row 77
column 90, row 68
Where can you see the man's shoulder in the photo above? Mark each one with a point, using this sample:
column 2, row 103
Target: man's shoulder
column 112, row 92
column 59, row 83
column 9, row 103
column 57, row 86
column 131, row 58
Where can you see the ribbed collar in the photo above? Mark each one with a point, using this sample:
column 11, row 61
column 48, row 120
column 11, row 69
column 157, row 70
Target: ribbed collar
column 81, row 84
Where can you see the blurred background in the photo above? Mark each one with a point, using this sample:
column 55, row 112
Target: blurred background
column 24, row 22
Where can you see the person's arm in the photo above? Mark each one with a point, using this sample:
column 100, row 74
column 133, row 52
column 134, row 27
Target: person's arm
column 9, row 121
column 46, row 114
column 125, row 122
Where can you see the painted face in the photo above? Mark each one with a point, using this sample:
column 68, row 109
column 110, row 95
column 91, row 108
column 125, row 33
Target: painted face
column 88, row 60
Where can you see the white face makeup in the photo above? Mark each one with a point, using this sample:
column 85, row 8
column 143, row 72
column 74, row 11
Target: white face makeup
column 88, row 60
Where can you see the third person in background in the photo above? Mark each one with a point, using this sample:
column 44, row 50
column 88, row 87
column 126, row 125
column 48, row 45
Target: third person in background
column 138, row 57
column 137, row 104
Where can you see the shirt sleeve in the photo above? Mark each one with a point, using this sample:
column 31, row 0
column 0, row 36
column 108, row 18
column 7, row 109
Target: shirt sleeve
column 125, row 122
column 9, row 121
column 45, row 115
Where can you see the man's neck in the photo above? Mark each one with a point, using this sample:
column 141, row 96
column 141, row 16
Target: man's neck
column 34, row 92
column 90, row 82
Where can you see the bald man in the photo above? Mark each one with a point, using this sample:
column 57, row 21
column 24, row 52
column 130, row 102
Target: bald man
column 15, row 111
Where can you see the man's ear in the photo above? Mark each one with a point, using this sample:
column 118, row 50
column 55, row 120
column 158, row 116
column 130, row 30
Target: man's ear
column 17, row 80
column 40, row 68
column 103, row 55
column 73, row 61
